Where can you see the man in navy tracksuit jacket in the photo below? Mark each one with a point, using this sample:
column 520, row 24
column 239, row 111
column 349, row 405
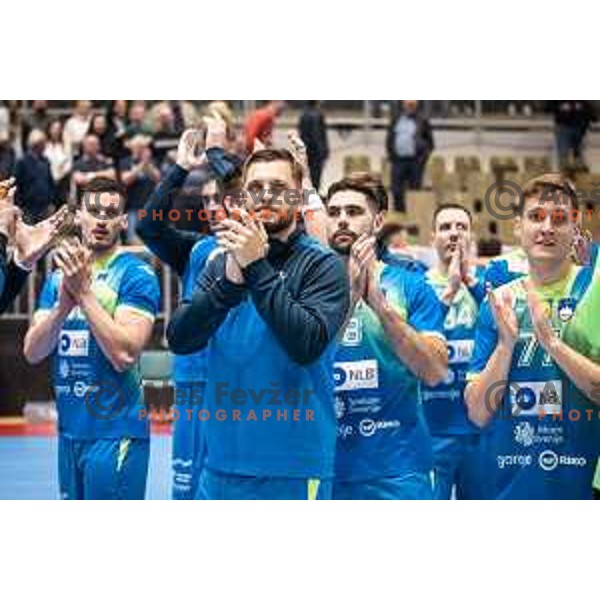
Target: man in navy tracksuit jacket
column 268, row 307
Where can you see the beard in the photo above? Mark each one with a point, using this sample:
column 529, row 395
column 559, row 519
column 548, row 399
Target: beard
column 343, row 247
column 279, row 221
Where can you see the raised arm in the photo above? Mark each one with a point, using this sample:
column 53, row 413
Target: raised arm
column 495, row 338
column 196, row 321
column 417, row 342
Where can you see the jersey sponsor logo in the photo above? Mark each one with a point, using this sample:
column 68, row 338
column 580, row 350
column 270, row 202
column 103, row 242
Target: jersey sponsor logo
column 344, row 431
column 524, row 434
column 353, row 333
column 566, row 309
column 63, row 368
column 514, row 460
column 368, row 427
column 536, row 398
column 74, row 343
column 460, row 351
column 79, row 389
column 62, row 390
column 550, row 460
column 356, row 375
column 340, row 408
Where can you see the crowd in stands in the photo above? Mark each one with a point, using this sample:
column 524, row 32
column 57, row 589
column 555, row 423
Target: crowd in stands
column 53, row 156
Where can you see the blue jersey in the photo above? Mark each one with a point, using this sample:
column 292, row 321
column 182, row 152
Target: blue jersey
column 94, row 400
column 444, row 405
column 545, row 438
column 381, row 429
column 188, row 368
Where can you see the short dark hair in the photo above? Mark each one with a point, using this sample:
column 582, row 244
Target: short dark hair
column 101, row 185
column 365, row 183
column 548, row 183
column 272, row 155
column 451, row 205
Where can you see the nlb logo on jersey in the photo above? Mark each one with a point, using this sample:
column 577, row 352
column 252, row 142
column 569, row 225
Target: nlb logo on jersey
column 74, row 343
column 535, row 398
column 460, row 351
column 356, row 375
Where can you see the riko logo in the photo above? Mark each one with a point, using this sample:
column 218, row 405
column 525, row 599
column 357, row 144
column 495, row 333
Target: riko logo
column 549, row 460
column 74, row 343
column 356, row 375
column 367, row 427
column 80, row 389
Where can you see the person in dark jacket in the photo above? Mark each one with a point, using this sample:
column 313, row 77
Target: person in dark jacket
column 268, row 308
column 313, row 132
column 572, row 119
column 35, row 185
column 409, row 144
column 30, row 243
column 186, row 251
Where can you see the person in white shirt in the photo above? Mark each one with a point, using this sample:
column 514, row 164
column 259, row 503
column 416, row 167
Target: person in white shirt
column 77, row 125
column 59, row 155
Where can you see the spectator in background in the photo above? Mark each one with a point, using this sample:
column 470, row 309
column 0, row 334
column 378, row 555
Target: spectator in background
column 572, row 119
column 78, row 125
column 38, row 118
column 260, row 124
column 140, row 175
column 165, row 133
column 116, row 118
column 137, row 120
column 91, row 164
column 409, row 144
column 99, row 128
column 313, row 131
column 61, row 161
column 35, row 186
column 8, row 157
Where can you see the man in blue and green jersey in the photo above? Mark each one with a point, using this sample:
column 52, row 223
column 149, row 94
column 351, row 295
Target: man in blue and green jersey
column 391, row 343
column 95, row 316
column 460, row 287
column 535, row 368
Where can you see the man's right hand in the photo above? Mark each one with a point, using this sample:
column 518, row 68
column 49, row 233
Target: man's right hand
column 505, row 317
column 362, row 254
column 187, row 150
column 216, row 131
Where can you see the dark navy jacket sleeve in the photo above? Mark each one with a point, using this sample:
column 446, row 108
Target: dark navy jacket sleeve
column 304, row 326
column 195, row 322
column 173, row 246
column 11, row 278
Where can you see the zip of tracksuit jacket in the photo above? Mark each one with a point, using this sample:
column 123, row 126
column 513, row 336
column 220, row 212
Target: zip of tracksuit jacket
column 272, row 336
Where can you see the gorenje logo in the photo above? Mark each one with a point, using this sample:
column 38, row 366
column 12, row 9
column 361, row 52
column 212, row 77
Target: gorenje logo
column 549, row 460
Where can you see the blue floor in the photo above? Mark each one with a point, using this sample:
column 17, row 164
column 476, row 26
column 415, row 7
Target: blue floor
column 28, row 468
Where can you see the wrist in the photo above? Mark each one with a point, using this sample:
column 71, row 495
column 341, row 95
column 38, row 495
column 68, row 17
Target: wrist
column 506, row 346
column 183, row 164
column 85, row 297
column 24, row 265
